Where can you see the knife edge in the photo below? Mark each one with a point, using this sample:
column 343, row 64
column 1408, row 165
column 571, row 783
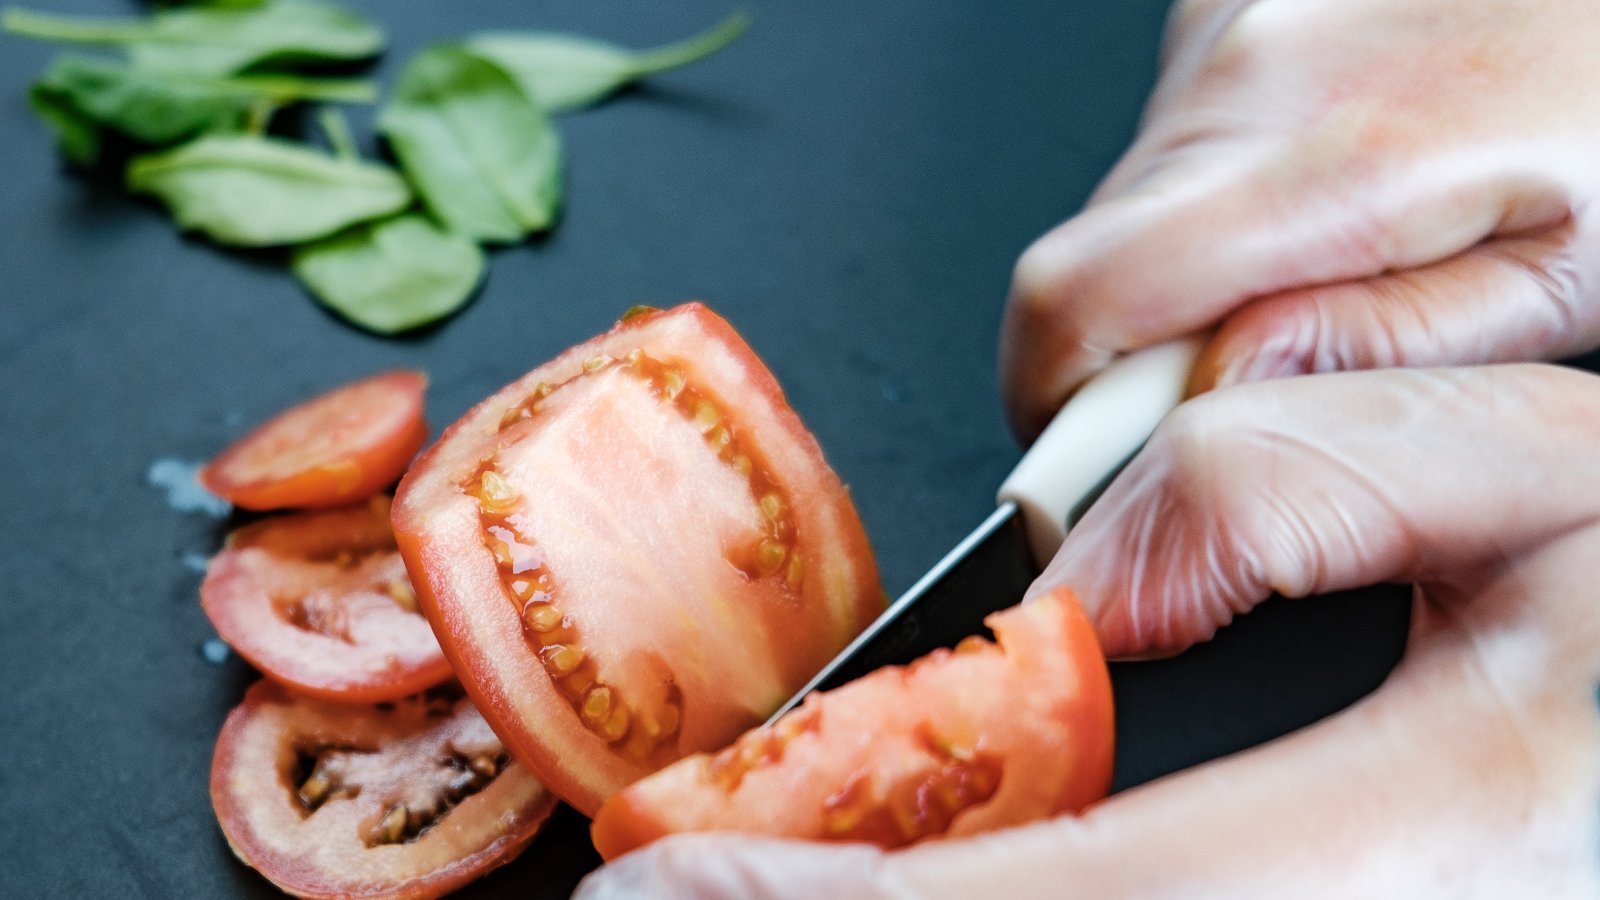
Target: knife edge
column 989, row 570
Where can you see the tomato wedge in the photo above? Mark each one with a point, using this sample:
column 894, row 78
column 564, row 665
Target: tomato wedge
column 410, row 799
column 959, row 742
column 333, row 449
column 634, row 552
column 320, row 601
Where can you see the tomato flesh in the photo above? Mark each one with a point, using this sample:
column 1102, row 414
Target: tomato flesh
column 410, row 799
column 336, row 448
column 959, row 742
column 321, row 602
column 634, row 552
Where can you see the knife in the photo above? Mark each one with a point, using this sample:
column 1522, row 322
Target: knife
column 1090, row 439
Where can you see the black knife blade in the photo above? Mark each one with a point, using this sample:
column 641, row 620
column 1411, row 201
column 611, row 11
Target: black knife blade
column 988, row 571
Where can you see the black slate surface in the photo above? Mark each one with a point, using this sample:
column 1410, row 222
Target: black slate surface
column 849, row 185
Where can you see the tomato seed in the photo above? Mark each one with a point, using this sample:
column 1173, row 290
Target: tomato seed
column 495, row 494
column 770, row 556
column 673, row 382
column 706, row 416
column 597, row 704
column 541, row 616
column 616, row 724
column 316, row 789
column 393, row 826
column 401, row 592
column 561, row 659
column 485, row 765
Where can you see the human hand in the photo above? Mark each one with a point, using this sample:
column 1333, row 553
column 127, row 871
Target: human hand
column 1473, row 771
column 1338, row 184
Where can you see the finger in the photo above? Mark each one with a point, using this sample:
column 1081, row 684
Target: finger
column 1449, row 782
column 1329, row 482
column 732, row 867
column 1511, row 299
column 1191, row 242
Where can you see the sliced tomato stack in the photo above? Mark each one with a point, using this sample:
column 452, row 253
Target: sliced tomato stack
column 959, row 742
column 634, row 552
column 336, row 778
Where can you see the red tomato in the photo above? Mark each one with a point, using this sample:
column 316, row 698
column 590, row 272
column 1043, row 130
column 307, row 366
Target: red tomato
column 320, row 601
column 410, row 799
column 634, row 552
column 959, row 742
column 342, row 446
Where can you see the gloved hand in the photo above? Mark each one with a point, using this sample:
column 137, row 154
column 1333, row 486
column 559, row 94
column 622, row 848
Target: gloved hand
column 1338, row 184
column 1474, row 771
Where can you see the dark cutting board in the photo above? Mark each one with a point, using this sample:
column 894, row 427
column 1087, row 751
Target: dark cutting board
column 849, row 184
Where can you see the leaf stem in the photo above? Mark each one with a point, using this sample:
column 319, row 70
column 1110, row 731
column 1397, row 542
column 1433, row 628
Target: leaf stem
column 260, row 116
column 73, row 29
column 337, row 128
column 686, row 51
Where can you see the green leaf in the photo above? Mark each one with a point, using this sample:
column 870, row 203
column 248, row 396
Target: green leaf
column 256, row 192
column 79, row 135
column 563, row 72
column 216, row 40
column 159, row 107
column 485, row 159
column 393, row 275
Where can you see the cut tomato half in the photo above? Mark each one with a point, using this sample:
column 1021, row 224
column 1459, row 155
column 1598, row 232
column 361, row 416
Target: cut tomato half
column 320, row 601
column 959, row 742
column 409, row 799
column 342, row 446
column 634, row 552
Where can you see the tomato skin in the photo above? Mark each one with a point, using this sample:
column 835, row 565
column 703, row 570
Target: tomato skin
column 460, row 589
column 336, row 448
column 955, row 744
column 328, row 852
column 343, row 566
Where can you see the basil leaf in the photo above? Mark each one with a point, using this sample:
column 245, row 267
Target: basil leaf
column 159, row 107
column 485, row 159
column 78, row 134
column 564, row 72
column 255, row 192
column 216, row 39
column 393, row 275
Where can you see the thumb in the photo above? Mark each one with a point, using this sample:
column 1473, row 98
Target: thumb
column 1318, row 484
column 1201, row 235
column 1507, row 300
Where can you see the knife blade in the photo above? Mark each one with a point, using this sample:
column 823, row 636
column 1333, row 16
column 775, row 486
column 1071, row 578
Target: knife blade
column 987, row 572
column 1090, row 439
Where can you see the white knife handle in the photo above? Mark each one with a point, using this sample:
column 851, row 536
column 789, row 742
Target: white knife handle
column 1102, row 425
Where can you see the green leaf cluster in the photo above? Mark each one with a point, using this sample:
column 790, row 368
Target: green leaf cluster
column 480, row 160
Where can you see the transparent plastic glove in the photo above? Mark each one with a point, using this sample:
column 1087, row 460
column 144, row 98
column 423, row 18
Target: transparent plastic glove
column 1474, row 771
column 1338, row 184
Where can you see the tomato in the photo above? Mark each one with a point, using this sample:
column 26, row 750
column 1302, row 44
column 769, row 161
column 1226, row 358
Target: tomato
column 959, row 742
column 342, row 446
column 409, row 799
column 634, row 552
column 320, row 601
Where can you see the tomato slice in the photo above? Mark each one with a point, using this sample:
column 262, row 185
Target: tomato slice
column 959, row 742
column 634, row 552
column 409, row 799
column 336, row 448
column 320, row 601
